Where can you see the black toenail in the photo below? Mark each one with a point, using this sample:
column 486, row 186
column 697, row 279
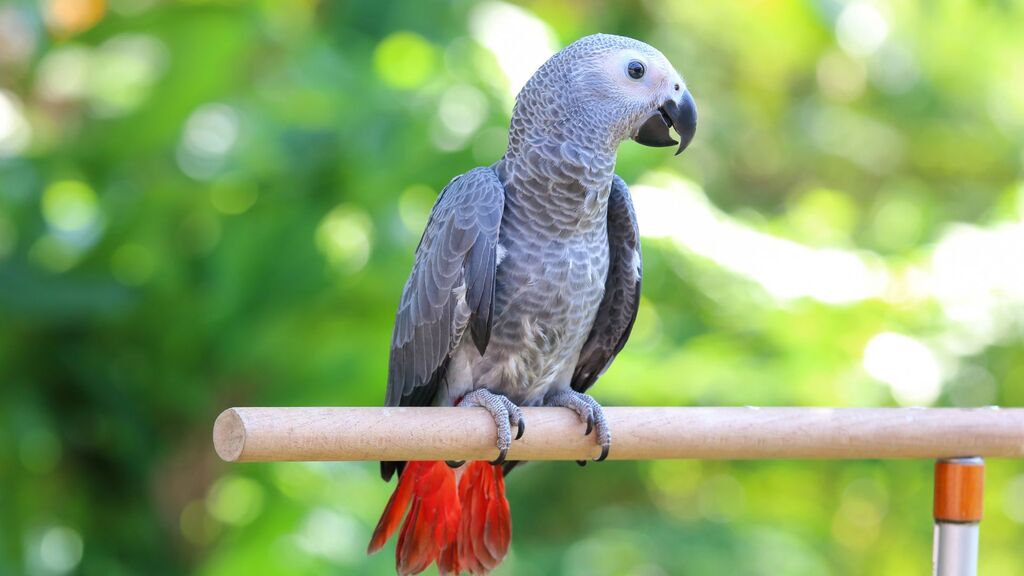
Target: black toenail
column 501, row 457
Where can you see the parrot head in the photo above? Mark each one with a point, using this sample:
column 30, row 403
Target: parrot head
column 611, row 89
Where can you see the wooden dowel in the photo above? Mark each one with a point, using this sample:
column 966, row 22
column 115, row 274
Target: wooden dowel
column 318, row 434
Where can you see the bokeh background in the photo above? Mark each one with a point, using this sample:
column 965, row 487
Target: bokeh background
column 215, row 203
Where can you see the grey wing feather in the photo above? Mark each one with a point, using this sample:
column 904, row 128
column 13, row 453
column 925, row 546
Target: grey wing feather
column 621, row 300
column 451, row 287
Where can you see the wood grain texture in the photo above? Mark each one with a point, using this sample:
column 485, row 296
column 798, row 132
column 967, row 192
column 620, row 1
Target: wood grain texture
column 321, row 434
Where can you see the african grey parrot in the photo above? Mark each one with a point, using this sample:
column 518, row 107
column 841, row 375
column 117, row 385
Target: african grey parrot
column 525, row 286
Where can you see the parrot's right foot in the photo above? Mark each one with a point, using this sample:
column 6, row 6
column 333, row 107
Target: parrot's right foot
column 505, row 413
column 590, row 412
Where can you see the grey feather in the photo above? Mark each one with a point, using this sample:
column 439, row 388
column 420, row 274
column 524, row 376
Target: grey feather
column 455, row 260
column 618, row 308
column 458, row 247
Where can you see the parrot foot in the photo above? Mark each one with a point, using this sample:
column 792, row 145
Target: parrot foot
column 590, row 412
column 505, row 413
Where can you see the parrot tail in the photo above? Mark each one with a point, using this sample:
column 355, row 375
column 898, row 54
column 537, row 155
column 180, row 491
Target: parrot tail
column 461, row 527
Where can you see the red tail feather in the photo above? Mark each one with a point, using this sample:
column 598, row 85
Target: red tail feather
column 486, row 527
column 463, row 529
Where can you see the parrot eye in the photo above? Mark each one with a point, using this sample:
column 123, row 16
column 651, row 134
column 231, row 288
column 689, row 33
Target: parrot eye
column 635, row 69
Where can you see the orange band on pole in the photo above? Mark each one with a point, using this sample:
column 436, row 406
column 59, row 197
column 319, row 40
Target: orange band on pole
column 959, row 488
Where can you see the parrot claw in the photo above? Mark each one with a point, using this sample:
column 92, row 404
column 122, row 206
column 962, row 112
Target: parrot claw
column 454, row 463
column 505, row 414
column 589, row 412
column 581, row 463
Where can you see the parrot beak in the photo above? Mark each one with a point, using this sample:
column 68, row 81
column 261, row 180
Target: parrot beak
column 681, row 116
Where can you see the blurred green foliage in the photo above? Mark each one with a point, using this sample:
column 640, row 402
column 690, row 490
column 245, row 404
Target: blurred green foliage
column 215, row 203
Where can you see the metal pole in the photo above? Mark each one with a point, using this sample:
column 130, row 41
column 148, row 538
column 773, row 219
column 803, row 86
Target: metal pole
column 959, row 488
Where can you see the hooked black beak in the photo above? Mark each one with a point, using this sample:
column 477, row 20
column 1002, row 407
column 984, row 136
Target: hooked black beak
column 681, row 116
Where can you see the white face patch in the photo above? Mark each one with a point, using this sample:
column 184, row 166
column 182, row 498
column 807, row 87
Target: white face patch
column 639, row 98
column 655, row 85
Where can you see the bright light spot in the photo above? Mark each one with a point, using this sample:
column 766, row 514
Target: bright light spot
column 861, row 29
column 519, row 40
column 67, row 17
column 405, row 60
column 54, row 254
column 115, row 78
column 60, row 549
column 71, row 211
column 331, row 535
column 132, row 264
column 232, row 196
column 894, row 69
column 211, row 130
column 343, row 236
column 678, row 209
column 463, row 109
column 908, row 366
column 210, row 133
column 461, row 112
column 898, row 224
column 64, row 73
column 446, row 140
column 858, row 520
column 235, row 500
column 841, row 78
column 976, row 276
column 124, row 70
column 15, row 132
column 70, row 206
column 414, row 207
column 298, row 482
column 872, row 144
column 608, row 551
column 673, row 485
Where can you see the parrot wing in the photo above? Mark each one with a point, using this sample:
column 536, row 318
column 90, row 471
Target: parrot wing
column 618, row 309
column 451, row 288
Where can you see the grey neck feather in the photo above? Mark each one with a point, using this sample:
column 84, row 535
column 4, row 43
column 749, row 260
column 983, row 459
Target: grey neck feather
column 563, row 140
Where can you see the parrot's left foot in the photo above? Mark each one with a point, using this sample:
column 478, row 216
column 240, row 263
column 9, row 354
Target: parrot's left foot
column 505, row 413
column 589, row 411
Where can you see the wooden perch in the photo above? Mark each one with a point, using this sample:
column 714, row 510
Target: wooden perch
column 319, row 434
